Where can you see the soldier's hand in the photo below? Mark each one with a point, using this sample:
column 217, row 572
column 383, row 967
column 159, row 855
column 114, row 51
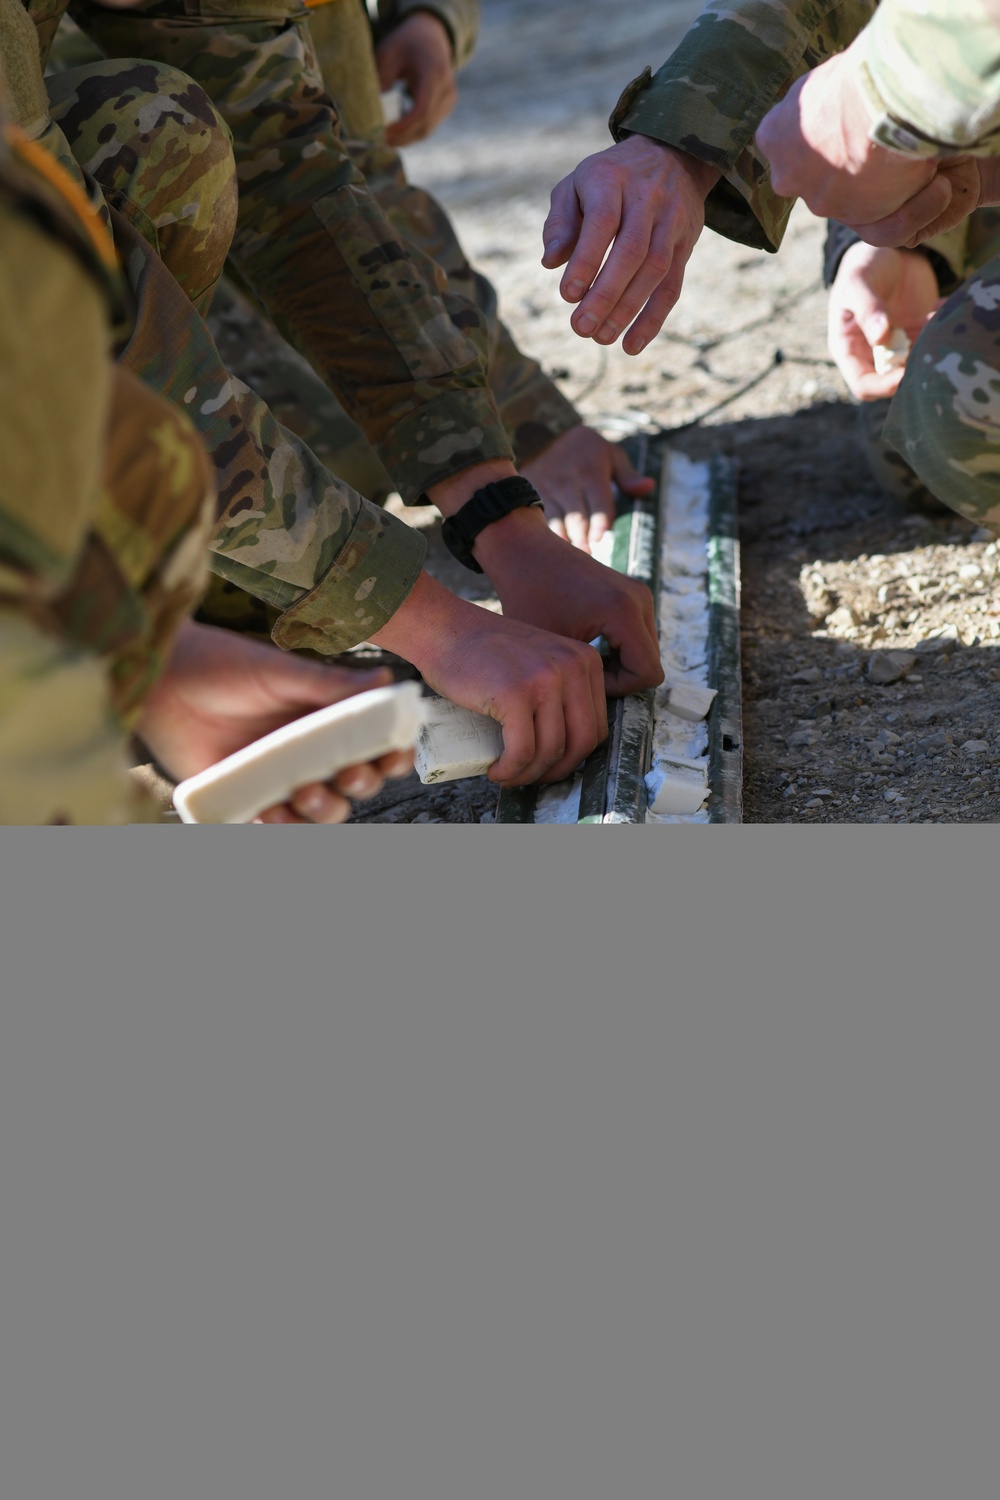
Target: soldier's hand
column 221, row 691
column 547, row 692
column 574, row 476
column 875, row 291
column 545, row 582
column 418, row 52
column 817, row 143
column 645, row 204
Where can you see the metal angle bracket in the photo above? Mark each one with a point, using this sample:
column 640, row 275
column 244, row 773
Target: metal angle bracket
column 613, row 788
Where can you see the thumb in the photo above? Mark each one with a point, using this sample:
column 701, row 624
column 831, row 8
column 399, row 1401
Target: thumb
column 626, row 477
column 870, row 313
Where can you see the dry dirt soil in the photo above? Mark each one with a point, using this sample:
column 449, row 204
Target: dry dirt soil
column 833, row 571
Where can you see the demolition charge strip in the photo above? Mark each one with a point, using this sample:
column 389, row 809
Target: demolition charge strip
column 673, row 756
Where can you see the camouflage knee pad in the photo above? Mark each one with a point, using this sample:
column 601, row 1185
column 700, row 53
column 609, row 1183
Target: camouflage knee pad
column 887, row 464
column 162, row 156
column 945, row 417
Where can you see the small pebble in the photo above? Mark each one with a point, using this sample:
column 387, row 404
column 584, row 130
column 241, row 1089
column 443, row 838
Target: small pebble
column 975, row 747
column 803, row 738
column 885, row 667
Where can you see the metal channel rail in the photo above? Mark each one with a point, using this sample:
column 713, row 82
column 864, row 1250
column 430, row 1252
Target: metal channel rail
column 612, row 785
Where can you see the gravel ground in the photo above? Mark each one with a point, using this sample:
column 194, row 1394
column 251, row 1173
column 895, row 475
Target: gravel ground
column 834, row 573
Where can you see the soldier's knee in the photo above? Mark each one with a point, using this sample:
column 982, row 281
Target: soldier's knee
column 161, row 154
column 945, row 417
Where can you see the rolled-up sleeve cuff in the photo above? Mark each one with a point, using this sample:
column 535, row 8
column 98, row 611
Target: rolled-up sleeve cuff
column 672, row 108
column 443, row 438
column 367, row 582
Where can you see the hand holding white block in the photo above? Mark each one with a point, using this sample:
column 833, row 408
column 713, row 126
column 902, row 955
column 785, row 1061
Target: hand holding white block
column 313, row 748
column 456, row 742
column 892, row 354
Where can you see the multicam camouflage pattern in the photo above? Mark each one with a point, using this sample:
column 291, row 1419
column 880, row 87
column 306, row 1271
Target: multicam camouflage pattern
column 287, row 531
column 931, row 71
column 533, row 409
column 945, row 417
column 406, row 358
column 103, row 534
column 162, row 157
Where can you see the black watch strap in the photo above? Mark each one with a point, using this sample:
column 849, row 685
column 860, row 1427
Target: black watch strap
column 491, row 503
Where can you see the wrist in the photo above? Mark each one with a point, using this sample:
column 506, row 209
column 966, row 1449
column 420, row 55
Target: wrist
column 432, row 28
column 703, row 174
column 452, row 493
column 496, row 544
column 430, row 620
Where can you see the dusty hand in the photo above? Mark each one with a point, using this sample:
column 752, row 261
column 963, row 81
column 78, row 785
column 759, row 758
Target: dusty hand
column 418, row 53
column 646, row 203
column 220, row 692
column 545, row 582
column 574, row 476
column 876, row 290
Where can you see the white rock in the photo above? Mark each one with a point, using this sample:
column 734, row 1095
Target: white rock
column 688, row 702
column 892, row 354
column 455, row 742
column 678, row 786
column 313, row 748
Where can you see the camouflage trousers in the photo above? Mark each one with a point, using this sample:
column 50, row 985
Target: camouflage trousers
column 945, row 418
column 289, row 533
column 375, row 318
column 533, row 409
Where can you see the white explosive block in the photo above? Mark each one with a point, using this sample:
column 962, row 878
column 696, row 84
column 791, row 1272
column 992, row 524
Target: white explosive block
column 678, row 786
column 313, row 748
column 691, row 703
column 455, row 742
column 892, row 354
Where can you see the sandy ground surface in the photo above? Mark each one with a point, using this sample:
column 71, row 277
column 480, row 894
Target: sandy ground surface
column 832, row 569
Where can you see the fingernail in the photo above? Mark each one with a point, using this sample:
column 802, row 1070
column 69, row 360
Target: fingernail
column 356, row 785
column 639, row 345
column 586, row 324
column 553, row 246
column 608, row 333
column 575, row 288
column 313, row 803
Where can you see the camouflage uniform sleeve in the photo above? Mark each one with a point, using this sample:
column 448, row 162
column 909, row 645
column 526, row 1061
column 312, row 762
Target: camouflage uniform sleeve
column 61, row 752
column 106, row 506
column 737, row 60
column 461, row 17
column 931, row 73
